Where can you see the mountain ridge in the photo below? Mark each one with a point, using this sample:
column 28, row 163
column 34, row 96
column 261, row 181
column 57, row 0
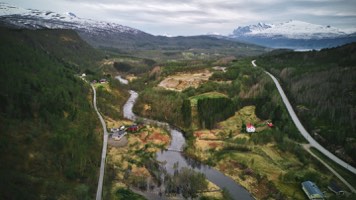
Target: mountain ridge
column 114, row 36
column 41, row 19
column 293, row 34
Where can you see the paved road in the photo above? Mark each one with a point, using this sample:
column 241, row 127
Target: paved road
column 103, row 154
column 302, row 130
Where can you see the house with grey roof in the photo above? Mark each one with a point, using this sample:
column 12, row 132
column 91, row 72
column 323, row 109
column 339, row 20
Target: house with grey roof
column 312, row 191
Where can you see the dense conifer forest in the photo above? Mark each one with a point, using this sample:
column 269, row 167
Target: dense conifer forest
column 49, row 145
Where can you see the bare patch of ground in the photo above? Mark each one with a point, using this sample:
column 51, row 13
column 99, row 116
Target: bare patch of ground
column 118, row 143
column 67, row 39
column 225, row 60
column 219, row 68
column 181, row 81
column 107, row 62
column 131, row 77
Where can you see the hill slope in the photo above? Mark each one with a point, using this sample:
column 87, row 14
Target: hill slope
column 321, row 87
column 48, row 148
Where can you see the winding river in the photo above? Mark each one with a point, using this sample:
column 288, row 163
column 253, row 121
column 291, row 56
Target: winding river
column 173, row 158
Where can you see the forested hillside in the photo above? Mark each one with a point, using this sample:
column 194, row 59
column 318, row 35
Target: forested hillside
column 48, row 144
column 321, row 86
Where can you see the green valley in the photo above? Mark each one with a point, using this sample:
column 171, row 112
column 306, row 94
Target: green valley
column 230, row 113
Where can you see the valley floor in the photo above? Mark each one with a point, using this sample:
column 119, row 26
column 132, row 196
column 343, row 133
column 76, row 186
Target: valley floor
column 269, row 163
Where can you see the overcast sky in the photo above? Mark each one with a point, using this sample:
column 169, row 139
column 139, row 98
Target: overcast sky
column 193, row 17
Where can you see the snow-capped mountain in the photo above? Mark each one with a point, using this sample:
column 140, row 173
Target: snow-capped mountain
column 115, row 36
column 96, row 33
column 30, row 18
column 292, row 29
column 293, row 34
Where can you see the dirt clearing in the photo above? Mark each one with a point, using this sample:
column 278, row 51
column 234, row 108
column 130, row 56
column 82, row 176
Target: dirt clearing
column 182, row 81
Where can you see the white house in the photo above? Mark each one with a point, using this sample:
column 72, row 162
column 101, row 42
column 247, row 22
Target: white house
column 250, row 128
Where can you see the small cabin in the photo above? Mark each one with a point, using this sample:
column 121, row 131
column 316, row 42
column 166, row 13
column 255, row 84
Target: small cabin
column 335, row 188
column 312, row 191
column 114, row 130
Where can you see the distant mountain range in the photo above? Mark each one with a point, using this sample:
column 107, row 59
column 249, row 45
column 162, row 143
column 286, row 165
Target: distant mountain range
column 112, row 35
column 293, row 34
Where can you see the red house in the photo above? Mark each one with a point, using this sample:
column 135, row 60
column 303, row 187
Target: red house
column 250, row 128
column 269, row 124
column 133, row 128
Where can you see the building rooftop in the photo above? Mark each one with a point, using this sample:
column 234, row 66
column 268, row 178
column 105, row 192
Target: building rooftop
column 312, row 191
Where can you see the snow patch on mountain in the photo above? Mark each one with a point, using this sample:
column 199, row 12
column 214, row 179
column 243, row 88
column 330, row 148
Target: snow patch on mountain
column 6, row 9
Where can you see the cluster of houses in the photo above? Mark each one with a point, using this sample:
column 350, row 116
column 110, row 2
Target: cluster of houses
column 103, row 80
column 118, row 133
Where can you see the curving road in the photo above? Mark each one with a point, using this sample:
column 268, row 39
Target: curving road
column 302, row 130
column 103, row 154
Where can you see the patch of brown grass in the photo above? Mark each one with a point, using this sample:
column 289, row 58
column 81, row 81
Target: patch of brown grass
column 140, row 171
column 154, row 136
column 67, row 39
